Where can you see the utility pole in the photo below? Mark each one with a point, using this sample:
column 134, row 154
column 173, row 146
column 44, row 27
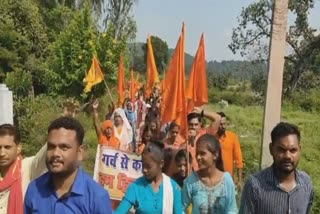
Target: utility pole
column 272, row 110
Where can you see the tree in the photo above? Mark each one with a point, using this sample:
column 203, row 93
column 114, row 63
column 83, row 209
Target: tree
column 71, row 54
column 259, row 82
column 119, row 14
column 254, row 31
column 20, row 82
column 23, row 41
column 54, row 41
column 160, row 52
column 218, row 80
column 109, row 50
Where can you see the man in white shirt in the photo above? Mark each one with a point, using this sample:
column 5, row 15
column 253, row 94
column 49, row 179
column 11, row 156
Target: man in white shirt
column 15, row 172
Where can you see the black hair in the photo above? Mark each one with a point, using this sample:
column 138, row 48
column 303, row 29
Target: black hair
column 146, row 129
column 182, row 154
column 193, row 115
column 283, row 129
column 70, row 124
column 222, row 114
column 8, row 129
column 214, row 147
column 156, row 148
column 125, row 102
column 172, row 125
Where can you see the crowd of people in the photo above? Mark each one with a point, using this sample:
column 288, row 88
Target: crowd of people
column 197, row 173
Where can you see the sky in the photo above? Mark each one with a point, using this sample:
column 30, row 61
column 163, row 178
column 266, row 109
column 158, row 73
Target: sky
column 216, row 18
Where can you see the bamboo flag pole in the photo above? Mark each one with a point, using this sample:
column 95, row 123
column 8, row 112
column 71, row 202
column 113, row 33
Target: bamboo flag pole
column 108, row 91
column 188, row 161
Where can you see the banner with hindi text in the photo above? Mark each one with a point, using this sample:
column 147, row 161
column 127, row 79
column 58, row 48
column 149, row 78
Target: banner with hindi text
column 115, row 170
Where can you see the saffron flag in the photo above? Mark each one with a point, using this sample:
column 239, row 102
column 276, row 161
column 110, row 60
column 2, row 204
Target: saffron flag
column 197, row 91
column 173, row 106
column 94, row 75
column 152, row 73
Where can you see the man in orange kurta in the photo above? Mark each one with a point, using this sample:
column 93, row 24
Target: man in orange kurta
column 231, row 149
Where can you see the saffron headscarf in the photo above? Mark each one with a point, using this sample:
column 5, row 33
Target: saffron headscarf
column 113, row 142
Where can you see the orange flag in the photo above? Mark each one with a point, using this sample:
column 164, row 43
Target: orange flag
column 132, row 85
column 173, row 106
column 121, row 83
column 94, row 75
column 197, row 91
column 152, row 73
column 138, row 85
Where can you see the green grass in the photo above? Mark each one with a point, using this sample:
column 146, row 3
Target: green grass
column 247, row 123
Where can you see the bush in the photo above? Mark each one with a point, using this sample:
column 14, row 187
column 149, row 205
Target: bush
column 306, row 101
column 233, row 97
column 32, row 118
column 19, row 82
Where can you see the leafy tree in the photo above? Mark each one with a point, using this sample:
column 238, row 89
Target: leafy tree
column 218, row 80
column 254, row 30
column 20, row 82
column 23, row 41
column 72, row 52
column 119, row 13
column 259, row 82
column 139, row 64
column 109, row 50
column 56, row 20
column 160, row 52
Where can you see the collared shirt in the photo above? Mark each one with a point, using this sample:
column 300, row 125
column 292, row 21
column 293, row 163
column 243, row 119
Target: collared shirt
column 142, row 197
column 263, row 194
column 85, row 197
column 231, row 152
column 31, row 168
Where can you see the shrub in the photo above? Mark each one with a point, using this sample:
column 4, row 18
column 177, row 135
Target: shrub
column 233, row 97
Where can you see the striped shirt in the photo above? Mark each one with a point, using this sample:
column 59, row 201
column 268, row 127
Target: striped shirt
column 263, row 194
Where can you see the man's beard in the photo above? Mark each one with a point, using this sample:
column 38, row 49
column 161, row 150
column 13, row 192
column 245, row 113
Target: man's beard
column 221, row 132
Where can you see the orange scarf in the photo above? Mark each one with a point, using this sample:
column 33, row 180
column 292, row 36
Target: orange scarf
column 113, row 142
column 12, row 181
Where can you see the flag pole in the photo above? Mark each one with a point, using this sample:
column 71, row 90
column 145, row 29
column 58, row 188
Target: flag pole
column 108, row 91
column 188, row 161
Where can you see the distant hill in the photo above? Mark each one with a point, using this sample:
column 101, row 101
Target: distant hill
column 235, row 68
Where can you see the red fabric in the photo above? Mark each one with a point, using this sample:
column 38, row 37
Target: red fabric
column 12, row 181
